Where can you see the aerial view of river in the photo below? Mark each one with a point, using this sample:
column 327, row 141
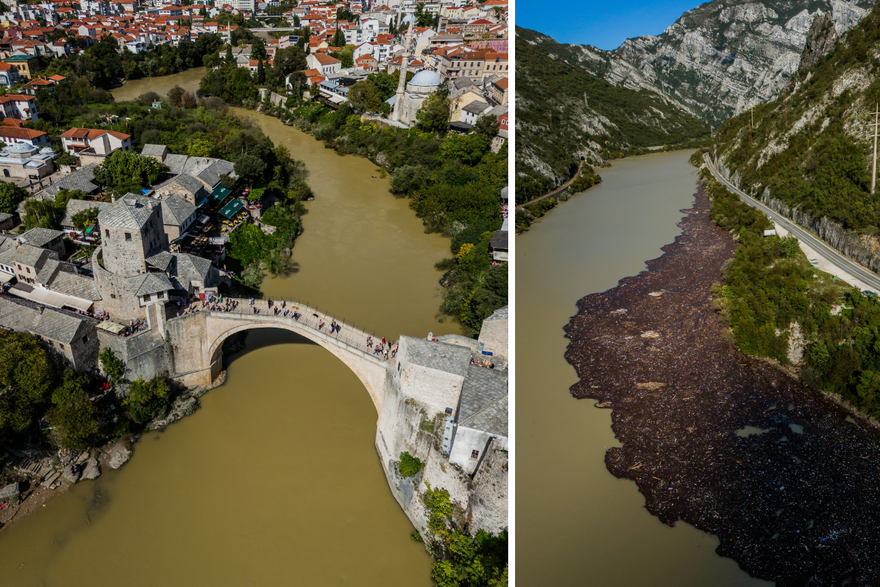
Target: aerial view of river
column 576, row 524
column 275, row 479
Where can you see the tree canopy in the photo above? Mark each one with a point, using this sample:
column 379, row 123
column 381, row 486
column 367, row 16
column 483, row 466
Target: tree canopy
column 128, row 171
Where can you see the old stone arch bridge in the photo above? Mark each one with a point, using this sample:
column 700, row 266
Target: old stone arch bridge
column 196, row 341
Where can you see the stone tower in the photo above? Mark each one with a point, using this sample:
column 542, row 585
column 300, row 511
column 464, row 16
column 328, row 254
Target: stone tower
column 131, row 231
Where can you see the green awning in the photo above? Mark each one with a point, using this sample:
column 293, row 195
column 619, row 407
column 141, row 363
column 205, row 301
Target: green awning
column 231, row 209
column 220, row 193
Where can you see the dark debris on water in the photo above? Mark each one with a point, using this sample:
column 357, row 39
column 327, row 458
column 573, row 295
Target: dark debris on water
column 791, row 505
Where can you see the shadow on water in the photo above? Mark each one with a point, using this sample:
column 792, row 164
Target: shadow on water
column 242, row 343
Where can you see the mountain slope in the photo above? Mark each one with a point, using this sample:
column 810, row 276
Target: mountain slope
column 723, row 56
column 808, row 153
column 557, row 125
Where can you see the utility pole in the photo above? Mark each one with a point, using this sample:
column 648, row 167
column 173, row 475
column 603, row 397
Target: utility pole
column 751, row 124
column 874, row 165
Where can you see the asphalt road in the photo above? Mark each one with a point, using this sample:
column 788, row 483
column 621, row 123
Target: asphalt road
column 842, row 263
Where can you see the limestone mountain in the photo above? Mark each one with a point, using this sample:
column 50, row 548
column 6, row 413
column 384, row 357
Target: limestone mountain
column 808, row 153
column 564, row 113
column 726, row 55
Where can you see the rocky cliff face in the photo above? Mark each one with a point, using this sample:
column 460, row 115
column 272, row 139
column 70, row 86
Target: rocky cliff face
column 724, row 56
column 820, row 41
column 565, row 113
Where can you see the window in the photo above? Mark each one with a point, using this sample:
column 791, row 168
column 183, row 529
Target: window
column 28, row 269
column 128, row 236
column 106, row 233
column 160, row 295
column 86, row 338
column 146, row 297
column 475, row 454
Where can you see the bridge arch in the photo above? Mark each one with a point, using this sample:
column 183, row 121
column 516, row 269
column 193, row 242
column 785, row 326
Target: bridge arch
column 198, row 338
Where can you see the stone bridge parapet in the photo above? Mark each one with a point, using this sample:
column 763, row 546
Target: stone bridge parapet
column 197, row 338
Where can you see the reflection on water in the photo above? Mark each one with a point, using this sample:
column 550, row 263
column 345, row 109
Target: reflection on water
column 576, row 524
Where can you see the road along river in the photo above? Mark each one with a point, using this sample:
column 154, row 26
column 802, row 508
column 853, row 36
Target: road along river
column 275, row 479
column 577, row 524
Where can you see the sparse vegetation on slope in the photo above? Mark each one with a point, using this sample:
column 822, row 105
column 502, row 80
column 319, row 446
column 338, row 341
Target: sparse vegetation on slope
column 565, row 113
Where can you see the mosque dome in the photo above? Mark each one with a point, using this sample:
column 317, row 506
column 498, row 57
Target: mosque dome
column 20, row 148
column 425, row 79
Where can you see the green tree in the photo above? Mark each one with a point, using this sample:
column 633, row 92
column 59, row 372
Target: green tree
column 41, row 213
column 175, row 96
column 26, row 377
column 345, row 56
column 258, row 48
column 338, row 38
column 125, row 170
column 147, row 399
column 486, row 126
column 365, row 97
column 85, row 218
column 261, row 72
column 250, row 168
column 409, row 465
column 73, row 418
column 433, row 116
column 250, row 245
column 469, row 149
column 10, row 197
column 113, row 366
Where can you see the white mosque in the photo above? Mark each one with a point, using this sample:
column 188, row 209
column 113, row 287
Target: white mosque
column 422, row 85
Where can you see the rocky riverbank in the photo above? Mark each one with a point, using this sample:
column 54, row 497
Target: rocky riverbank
column 787, row 479
column 31, row 479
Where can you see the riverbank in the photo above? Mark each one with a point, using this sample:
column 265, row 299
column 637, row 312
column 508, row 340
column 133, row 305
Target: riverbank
column 727, row 443
column 42, row 476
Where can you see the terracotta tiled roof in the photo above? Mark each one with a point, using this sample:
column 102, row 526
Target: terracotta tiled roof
column 13, row 132
column 15, row 98
column 92, row 133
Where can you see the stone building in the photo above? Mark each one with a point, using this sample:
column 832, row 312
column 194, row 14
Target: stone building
column 45, row 238
column 446, row 404
column 93, row 145
column 422, row 85
column 70, row 337
column 178, row 215
column 133, row 269
column 131, row 231
column 27, row 161
column 184, row 186
column 76, row 206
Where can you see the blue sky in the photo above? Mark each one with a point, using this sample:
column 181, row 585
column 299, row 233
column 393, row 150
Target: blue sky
column 604, row 24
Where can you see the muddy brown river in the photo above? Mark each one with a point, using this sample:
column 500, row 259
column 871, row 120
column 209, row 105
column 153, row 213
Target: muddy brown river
column 576, row 524
column 274, row 481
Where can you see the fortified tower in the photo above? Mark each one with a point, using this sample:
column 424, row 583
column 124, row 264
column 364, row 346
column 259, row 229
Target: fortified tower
column 131, row 231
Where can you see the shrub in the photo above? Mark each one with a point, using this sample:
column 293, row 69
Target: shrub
column 409, row 465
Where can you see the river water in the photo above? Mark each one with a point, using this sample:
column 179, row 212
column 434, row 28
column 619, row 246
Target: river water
column 275, row 479
column 576, row 524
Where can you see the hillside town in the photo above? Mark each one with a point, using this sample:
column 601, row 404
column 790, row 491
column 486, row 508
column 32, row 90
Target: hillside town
column 461, row 44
